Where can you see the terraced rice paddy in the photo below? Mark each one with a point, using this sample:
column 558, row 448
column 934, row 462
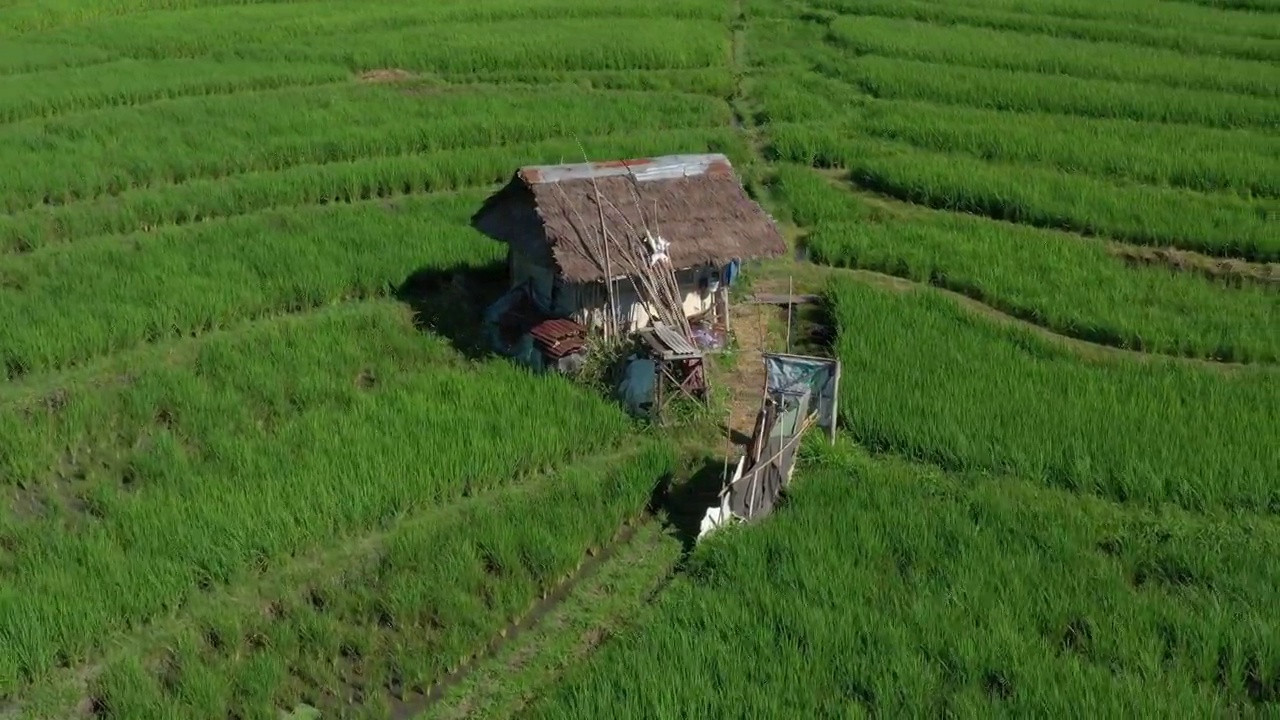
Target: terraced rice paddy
column 240, row 474
column 910, row 592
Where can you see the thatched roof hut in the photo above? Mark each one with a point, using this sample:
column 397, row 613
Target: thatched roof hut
column 550, row 212
column 550, row 219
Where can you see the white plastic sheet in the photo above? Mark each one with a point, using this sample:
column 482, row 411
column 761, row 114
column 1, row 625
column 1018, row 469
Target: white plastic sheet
column 719, row 516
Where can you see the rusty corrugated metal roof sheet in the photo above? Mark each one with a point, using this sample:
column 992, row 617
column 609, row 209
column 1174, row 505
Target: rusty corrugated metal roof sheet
column 559, row 337
column 556, row 329
column 667, row 167
column 563, row 348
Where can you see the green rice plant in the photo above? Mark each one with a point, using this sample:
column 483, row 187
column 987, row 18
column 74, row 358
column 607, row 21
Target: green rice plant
column 201, row 200
column 800, row 95
column 1261, row 6
column 1005, row 50
column 812, row 201
column 1143, row 13
column 1204, row 159
column 401, row 614
column 884, row 589
column 492, row 10
column 19, row 56
column 1218, row 225
column 1244, row 162
column 1182, row 39
column 131, row 82
column 715, row 82
column 781, row 43
column 240, row 22
column 87, row 156
column 1070, row 285
column 294, row 435
column 62, row 308
column 1032, row 92
column 610, row 43
column 33, row 16
column 937, row 383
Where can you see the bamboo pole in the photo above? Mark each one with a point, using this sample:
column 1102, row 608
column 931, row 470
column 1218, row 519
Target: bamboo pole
column 611, row 310
column 790, row 294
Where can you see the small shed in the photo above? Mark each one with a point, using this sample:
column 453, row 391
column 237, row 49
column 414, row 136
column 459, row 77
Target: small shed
column 551, row 219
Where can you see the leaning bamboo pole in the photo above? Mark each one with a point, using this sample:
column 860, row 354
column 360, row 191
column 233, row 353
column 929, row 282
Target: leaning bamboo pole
column 596, row 251
column 611, row 310
column 668, row 278
column 658, row 278
column 632, row 250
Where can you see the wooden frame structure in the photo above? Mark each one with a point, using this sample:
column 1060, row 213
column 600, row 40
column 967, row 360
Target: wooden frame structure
column 678, row 363
column 801, row 392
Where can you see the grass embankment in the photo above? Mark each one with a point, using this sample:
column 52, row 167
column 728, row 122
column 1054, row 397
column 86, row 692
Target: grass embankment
column 610, row 602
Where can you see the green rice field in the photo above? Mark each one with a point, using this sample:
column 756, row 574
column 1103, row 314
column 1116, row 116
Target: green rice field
column 243, row 476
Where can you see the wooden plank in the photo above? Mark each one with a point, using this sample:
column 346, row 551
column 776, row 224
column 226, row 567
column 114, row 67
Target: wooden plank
column 781, row 299
column 818, row 358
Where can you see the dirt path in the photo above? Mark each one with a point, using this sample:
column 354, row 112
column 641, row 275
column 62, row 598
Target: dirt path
column 750, row 327
column 1187, row 261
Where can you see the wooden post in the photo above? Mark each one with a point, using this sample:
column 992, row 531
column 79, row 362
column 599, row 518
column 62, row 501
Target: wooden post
column 659, row 380
column 835, row 404
column 790, row 293
column 725, row 290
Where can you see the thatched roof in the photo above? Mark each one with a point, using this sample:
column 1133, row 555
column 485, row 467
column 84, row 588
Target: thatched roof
column 550, row 212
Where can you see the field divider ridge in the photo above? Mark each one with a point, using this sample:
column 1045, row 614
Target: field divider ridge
column 1084, row 347
column 46, row 386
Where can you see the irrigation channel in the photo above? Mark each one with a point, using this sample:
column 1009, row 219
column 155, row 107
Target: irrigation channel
column 413, row 704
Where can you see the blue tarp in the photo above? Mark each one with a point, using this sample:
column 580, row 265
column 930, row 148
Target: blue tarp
column 731, row 271
column 797, row 376
column 636, row 390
